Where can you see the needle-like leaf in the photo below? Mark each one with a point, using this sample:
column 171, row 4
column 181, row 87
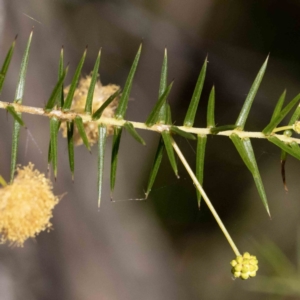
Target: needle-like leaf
column 114, row 157
column 6, row 63
column 294, row 118
column 278, row 106
column 56, row 93
column 269, row 128
column 81, row 131
column 155, row 166
column 15, row 115
column 101, row 150
column 60, row 98
column 54, row 123
column 170, row 151
column 216, row 130
column 201, row 145
column 242, row 118
column 187, row 135
column 97, row 114
column 122, row 107
column 70, row 132
column 69, row 98
column 211, row 109
column 285, row 147
column 244, row 147
column 162, row 87
column 18, row 99
column 155, row 112
column 90, row 95
column 191, row 113
column 129, row 127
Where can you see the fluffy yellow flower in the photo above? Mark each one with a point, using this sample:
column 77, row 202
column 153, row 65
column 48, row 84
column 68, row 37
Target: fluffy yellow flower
column 26, row 206
column 101, row 93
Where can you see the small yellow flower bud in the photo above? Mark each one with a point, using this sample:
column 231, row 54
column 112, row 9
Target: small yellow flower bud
column 239, row 259
column 244, row 276
column 246, row 255
column 296, row 127
column 233, row 263
column 245, row 269
column 236, row 274
column 238, row 268
column 252, row 274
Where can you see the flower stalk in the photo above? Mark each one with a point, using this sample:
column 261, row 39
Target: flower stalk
column 206, row 199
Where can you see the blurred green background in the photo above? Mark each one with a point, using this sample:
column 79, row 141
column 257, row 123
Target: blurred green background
column 162, row 248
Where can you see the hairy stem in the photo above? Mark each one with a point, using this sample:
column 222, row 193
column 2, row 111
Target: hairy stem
column 206, row 199
column 68, row 116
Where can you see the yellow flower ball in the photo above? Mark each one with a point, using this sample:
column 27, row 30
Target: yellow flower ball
column 244, row 266
column 25, row 206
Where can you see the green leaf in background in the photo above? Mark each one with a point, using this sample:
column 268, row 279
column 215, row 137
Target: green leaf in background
column 19, row 99
column 155, row 165
column 200, row 155
column 216, row 130
column 242, row 118
column 54, row 124
column 114, row 157
column 156, row 110
column 122, row 107
column 211, row 109
column 70, row 135
column 170, row 151
column 162, row 87
column 6, row 63
column 129, row 127
column 280, row 116
column 81, row 131
column 182, row 133
column 191, row 113
column 244, row 148
column 15, row 115
column 101, row 150
column 56, row 93
column 97, row 114
column 90, row 95
column 73, row 86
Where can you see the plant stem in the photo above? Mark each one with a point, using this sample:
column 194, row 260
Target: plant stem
column 68, row 116
column 206, row 199
column 283, row 128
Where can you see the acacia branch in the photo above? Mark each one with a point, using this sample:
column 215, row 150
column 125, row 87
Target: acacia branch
column 68, row 116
